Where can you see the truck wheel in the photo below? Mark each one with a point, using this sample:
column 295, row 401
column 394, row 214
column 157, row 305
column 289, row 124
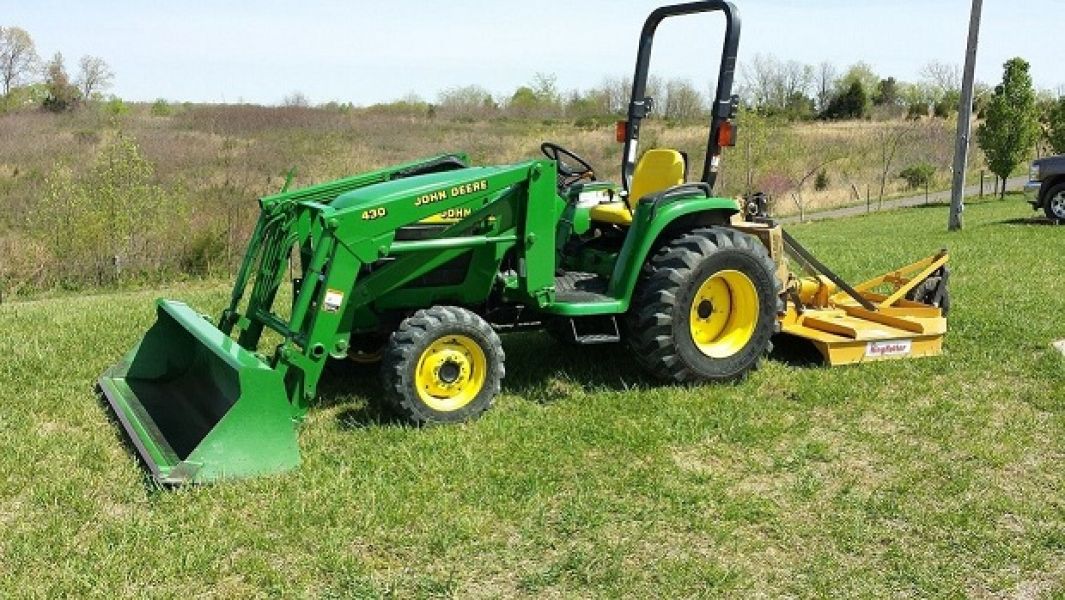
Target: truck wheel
column 442, row 365
column 1054, row 205
column 706, row 307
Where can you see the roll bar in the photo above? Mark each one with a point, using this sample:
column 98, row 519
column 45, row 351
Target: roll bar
column 724, row 105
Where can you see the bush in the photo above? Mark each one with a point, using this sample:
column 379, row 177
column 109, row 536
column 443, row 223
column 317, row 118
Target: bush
column 26, row 266
column 947, row 105
column 106, row 224
column 205, row 251
column 822, row 182
column 918, row 176
column 161, row 108
column 116, row 107
column 62, row 96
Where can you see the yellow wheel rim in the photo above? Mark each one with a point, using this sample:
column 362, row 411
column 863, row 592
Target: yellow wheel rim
column 724, row 313
column 450, row 373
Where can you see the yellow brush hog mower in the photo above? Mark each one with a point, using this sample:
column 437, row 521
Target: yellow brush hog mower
column 423, row 265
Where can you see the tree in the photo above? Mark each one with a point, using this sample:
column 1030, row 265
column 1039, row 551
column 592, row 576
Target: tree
column 942, row 78
column 296, row 99
column 617, row 90
column 1011, row 126
column 588, row 106
column 655, row 88
column 1056, row 126
column 817, row 155
column 683, row 101
column 545, row 85
column 853, row 103
column 762, row 136
column 524, row 102
column 799, row 106
column 774, row 86
column 467, row 102
column 94, row 76
column 61, row 94
column 887, row 93
column 863, row 74
column 18, row 57
column 888, row 138
column 825, row 80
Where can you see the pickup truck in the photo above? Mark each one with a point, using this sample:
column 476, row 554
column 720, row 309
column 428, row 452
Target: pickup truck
column 1046, row 189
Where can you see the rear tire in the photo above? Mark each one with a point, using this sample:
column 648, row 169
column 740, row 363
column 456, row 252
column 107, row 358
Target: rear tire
column 706, row 307
column 1054, row 205
column 442, row 365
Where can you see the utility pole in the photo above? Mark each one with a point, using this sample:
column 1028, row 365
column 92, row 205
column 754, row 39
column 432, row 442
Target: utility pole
column 965, row 117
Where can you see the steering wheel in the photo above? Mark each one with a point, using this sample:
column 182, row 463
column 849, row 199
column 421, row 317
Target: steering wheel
column 571, row 168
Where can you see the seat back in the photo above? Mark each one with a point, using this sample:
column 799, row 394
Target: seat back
column 659, row 169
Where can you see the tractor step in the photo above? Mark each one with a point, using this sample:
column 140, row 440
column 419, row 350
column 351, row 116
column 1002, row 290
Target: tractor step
column 605, row 330
column 579, row 287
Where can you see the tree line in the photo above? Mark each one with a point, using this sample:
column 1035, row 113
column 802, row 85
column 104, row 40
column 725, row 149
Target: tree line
column 26, row 79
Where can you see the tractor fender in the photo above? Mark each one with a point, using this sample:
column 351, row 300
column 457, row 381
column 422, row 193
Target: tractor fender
column 653, row 225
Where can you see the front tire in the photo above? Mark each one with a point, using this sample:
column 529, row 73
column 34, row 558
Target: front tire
column 706, row 307
column 1054, row 205
column 442, row 365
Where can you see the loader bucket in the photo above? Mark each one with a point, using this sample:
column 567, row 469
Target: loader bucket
column 197, row 406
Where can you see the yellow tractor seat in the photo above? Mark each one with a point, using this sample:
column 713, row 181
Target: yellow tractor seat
column 659, row 169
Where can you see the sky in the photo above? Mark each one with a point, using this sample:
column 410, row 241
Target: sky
column 367, row 52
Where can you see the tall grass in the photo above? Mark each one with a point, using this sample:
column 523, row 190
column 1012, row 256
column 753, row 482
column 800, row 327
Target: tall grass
column 199, row 169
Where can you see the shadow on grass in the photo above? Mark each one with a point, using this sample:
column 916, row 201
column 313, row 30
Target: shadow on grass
column 539, row 370
column 795, row 352
column 1031, row 221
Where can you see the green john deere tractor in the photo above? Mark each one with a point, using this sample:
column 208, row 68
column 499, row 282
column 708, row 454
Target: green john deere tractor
column 425, row 263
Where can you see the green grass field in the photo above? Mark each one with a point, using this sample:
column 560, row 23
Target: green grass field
column 941, row 477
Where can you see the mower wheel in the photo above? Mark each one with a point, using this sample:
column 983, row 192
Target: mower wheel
column 442, row 365
column 925, row 293
column 705, row 308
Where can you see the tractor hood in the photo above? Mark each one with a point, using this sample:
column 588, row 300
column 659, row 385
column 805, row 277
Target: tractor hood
column 453, row 183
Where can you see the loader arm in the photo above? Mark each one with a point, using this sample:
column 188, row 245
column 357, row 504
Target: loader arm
column 280, row 207
column 359, row 228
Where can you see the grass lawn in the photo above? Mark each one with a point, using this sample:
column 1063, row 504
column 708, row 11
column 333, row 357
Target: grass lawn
column 936, row 477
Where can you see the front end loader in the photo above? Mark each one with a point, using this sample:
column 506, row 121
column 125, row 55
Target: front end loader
column 421, row 266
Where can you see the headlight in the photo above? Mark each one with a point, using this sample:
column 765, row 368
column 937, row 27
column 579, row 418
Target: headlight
column 1034, row 174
